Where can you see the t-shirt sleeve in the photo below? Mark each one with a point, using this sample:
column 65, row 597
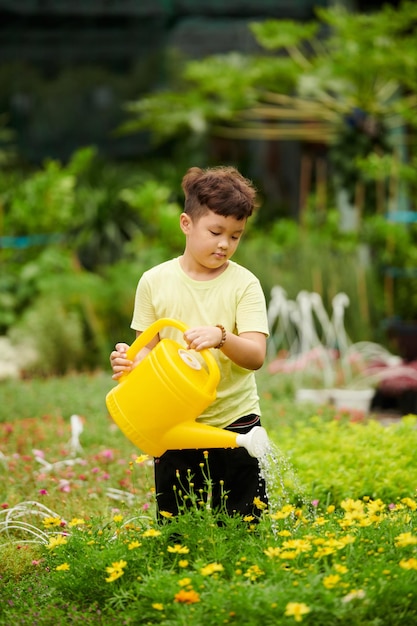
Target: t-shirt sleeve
column 143, row 312
column 251, row 314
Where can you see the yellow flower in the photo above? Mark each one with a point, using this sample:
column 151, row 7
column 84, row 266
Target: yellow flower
column 55, row 542
column 253, row 572
column 117, row 518
column 64, row 567
column 114, row 575
column 158, row 606
column 352, row 506
column 259, row 504
column 323, row 551
column 319, row 541
column 51, row 521
column 405, row 539
column 152, row 532
column 341, row 569
column 296, row 610
column 115, row 570
column 330, row 509
column 184, row 582
column 346, row 540
column 177, row 549
column 288, row 554
column 119, row 564
column 409, row 563
column 141, row 458
column 134, row 544
column 331, row 581
column 300, row 545
column 271, row 552
column 211, row 569
column 376, row 506
column 410, row 503
column 76, row 521
column 187, row 597
column 285, row 512
column 248, row 518
column 183, row 563
column 166, row 514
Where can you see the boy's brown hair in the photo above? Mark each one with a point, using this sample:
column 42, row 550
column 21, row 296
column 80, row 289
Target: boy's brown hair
column 222, row 189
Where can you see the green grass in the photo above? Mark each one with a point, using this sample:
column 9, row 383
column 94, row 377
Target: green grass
column 338, row 546
column 59, row 397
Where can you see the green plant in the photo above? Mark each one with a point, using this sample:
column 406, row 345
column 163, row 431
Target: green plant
column 54, row 336
column 337, row 546
column 93, row 215
column 340, row 79
column 317, row 257
column 393, row 248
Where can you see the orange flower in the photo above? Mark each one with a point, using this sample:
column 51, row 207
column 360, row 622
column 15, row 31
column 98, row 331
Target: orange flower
column 187, row 597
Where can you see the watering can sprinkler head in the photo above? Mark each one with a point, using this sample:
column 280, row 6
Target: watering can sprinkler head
column 256, row 442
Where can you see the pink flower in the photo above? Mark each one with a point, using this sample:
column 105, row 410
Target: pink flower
column 315, row 502
column 39, row 453
column 4, row 505
column 108, row 454
column 43, row 492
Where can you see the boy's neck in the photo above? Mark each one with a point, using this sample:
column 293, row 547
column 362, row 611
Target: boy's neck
column 199, row 272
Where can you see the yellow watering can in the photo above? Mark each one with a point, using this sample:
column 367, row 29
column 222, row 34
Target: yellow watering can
column 156, row 404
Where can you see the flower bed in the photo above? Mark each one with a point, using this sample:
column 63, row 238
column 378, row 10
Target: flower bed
column 79, row 541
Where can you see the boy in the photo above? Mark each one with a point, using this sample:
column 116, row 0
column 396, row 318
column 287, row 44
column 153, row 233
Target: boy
column 224, row 307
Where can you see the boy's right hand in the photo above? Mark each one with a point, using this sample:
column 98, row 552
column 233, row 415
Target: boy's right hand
column 118, row 361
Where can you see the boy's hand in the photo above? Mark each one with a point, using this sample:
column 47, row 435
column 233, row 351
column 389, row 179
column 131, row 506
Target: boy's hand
column 118, row 361
column 203, row 337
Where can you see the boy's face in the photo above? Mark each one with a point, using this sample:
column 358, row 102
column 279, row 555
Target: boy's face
column 212, row 239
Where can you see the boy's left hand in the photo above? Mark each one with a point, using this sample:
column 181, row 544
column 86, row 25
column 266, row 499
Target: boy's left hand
column 203, row 337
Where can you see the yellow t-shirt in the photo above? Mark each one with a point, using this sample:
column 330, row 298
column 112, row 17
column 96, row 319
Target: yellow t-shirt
column 234, row 299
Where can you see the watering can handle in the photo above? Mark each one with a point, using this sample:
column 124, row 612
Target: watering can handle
column 148, row 334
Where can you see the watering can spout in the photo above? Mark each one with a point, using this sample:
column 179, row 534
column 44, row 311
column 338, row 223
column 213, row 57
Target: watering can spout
column 256, row 442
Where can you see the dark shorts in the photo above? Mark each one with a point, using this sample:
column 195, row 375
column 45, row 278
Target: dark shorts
column 224, row 478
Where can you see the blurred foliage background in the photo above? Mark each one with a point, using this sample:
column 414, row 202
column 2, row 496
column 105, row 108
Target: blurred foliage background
column 317, row 107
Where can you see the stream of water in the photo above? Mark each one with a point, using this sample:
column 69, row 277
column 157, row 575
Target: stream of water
column 282, row 483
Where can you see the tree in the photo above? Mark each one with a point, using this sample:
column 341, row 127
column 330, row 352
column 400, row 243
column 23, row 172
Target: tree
column 347, row 80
